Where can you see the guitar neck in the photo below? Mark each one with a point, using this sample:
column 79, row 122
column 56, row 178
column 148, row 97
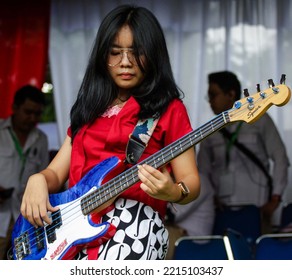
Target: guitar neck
column 129, row 177
column 176, row 148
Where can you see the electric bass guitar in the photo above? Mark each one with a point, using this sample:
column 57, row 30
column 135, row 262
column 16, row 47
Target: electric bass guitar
column 73, row 228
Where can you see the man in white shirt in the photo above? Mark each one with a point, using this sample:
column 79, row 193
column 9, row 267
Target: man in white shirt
column 23, row 152
column 235, row 177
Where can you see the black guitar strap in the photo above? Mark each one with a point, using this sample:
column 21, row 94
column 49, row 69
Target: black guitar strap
column 252, row 156
column 139, row 138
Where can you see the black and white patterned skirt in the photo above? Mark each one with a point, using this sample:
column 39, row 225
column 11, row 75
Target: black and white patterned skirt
column 140, row 233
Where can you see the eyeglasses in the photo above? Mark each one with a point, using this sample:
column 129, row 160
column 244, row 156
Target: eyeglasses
column 117, row 54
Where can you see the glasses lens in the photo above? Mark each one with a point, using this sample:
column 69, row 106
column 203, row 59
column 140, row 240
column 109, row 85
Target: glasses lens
column 116, row 56
column 131, row 57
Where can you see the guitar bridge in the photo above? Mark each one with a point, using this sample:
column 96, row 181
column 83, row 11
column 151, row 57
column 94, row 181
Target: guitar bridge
column 28, row 241
column 32, row 241
column 21, row 245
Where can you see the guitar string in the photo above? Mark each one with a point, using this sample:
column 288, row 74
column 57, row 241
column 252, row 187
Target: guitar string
column 103, row 190
column 213, row 123
column 121, row 177
column 153, row 161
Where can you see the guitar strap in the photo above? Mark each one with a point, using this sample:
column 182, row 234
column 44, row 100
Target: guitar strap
column 252, row 156
column 139, row 138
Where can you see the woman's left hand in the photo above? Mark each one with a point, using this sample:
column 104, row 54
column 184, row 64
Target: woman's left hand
column 158, row 184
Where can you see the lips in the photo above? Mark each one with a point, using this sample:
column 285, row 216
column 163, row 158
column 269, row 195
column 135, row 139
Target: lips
column 126, row 76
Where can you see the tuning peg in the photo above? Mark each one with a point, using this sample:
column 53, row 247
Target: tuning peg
column 258, row 88
column 245, row 92
column 283, row 79
column 271, row 83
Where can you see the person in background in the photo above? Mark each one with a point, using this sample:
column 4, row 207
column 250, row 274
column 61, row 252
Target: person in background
column 193, row 219
column 128, row 78
column 236, row 177
column 197, row 217
column 23, row 152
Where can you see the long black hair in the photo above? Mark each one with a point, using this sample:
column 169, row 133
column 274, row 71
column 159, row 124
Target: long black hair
column 98, row 90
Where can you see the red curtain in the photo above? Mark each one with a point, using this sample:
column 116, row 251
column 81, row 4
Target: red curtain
column 24, row 33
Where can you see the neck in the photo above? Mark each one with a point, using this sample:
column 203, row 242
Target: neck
column 21, row 135
column 123, row 98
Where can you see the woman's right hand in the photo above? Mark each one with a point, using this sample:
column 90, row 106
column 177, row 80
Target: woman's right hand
column 35, row 202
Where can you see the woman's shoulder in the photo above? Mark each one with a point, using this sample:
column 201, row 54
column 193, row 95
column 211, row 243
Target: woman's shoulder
column 176, row 116
column 177, row 105
column 177, row 101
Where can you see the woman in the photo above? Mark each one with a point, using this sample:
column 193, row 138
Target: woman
column 128, row 78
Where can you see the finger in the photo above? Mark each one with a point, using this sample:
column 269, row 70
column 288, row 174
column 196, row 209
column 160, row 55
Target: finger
column 44, row 215
column 146, row 178
column 148, row 169
column 50, row 209
column 27, row 213
column 141, row 173
column 36, row 216
column 149, row 174
column 147, row 190
column 166, row 174
column 146, row 184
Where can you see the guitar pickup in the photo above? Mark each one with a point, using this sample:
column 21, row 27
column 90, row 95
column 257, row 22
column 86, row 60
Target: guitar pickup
column 39, row 237
column 56, row 223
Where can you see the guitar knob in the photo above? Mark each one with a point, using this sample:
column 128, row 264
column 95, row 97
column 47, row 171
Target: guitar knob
column 271, row 83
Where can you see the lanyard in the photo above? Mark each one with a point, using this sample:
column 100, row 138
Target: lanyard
column 19, row 151
column 230, row 143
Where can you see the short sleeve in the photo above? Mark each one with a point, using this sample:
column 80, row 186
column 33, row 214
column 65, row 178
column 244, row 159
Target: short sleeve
column 176, row 122
column 69, row 131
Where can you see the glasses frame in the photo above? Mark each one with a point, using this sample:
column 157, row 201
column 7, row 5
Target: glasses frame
column 121, row 51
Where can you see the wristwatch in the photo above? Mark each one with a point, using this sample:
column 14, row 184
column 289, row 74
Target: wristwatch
column 184, row 191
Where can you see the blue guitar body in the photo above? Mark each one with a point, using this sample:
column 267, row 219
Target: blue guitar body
column 71, row 230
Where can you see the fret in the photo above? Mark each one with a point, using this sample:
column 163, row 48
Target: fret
column 55, row 242
column 129, row 177
column 191, row 140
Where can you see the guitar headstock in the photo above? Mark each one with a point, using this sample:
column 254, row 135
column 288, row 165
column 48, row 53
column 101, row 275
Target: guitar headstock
column 252, row 107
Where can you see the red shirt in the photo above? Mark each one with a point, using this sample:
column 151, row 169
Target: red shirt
column 108, row 136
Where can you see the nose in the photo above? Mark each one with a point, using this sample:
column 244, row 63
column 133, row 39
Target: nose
column 208, row 98
column 34, row 117
column 125, row 59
